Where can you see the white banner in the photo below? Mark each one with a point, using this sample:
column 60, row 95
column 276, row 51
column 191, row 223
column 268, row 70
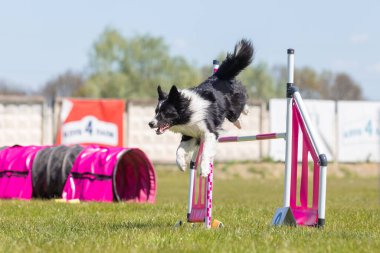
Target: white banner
column 90, row 129
column 359, row 131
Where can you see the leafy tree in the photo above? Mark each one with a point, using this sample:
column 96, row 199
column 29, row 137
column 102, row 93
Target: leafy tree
column 307, row 80
column 133, row 67
column 344, row 88
column 325, row 85
column 325, row 81
column 279, row 74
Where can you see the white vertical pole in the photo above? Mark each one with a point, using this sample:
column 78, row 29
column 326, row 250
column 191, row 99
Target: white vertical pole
column 288, row 148
column 191, row 183
column 322, row 196
column 291, row 66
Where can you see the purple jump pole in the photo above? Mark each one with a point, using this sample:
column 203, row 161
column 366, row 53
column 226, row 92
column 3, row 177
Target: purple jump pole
column 258, row 137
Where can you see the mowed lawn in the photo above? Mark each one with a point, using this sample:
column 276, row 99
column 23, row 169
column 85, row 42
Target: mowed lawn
column 245, row 206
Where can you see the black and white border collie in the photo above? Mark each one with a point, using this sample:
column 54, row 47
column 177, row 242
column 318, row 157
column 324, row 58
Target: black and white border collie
column 198, row 113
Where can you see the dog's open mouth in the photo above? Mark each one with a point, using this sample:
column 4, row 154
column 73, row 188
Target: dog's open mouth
column 162, row 129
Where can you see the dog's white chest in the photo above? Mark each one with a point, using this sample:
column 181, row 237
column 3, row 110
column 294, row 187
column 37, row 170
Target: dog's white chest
column 194, row 130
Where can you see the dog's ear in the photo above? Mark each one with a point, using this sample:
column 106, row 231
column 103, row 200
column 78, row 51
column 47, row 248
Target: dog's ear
column 161, row 95
column 173, row 93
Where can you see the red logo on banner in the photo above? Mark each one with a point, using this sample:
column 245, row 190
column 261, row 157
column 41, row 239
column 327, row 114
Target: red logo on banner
column 86, row 121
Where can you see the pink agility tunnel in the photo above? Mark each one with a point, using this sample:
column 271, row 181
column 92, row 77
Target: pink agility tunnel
column 16, row 171
column 111, row 174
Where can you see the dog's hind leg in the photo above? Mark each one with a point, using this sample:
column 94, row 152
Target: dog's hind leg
column 184, row 151
column 245, row 111
column 237, row 123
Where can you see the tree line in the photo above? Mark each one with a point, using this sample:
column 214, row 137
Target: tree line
column 131, row 68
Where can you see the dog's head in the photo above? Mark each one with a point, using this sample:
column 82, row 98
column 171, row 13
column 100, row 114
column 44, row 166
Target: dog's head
column 168, row 110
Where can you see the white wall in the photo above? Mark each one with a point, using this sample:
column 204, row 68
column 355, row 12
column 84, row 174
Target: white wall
column 348, row 130
column 22, row 121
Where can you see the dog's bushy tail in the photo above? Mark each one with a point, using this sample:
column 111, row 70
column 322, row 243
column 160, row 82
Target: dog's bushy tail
column 236, row 62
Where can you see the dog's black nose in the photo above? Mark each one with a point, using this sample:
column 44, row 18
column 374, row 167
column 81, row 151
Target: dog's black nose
column 151, row 124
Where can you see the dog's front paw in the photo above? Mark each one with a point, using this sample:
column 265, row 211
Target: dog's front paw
column 205, row 167
column 181, row 162
column 245, row 110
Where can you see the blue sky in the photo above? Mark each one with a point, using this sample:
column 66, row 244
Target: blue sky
column 41, row 39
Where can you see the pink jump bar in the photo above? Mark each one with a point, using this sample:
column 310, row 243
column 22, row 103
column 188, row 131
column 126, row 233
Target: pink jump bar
column 252, row 137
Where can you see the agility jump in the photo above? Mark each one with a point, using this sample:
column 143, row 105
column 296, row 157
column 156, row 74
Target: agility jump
column 298, row 124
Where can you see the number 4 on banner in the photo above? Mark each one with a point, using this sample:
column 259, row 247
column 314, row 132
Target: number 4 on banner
column 89, row 127
column 368, row 128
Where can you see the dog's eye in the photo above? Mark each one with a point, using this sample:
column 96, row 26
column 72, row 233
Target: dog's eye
column 170, row 114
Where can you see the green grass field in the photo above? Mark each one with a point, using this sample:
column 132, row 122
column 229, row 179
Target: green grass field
column 245, row 206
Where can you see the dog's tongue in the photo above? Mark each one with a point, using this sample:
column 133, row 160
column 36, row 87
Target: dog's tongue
column 159, row 131
column 162, row 129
